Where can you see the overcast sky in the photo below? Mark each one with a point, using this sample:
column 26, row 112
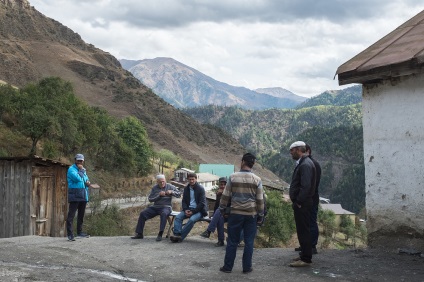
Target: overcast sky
column 294, row 44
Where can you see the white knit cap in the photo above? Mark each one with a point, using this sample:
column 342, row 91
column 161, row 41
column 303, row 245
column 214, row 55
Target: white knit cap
column 160, row 176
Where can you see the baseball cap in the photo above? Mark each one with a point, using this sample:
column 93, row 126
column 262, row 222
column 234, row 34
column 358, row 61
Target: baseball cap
column 79, row 157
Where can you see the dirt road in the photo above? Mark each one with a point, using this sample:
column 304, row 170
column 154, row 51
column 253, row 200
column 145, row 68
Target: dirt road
column 34, row 258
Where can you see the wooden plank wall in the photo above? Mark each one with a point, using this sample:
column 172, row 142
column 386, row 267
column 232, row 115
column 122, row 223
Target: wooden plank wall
column 15, row 180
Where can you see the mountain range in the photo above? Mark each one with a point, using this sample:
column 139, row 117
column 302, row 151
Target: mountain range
column 33, row 46
column 185, row 87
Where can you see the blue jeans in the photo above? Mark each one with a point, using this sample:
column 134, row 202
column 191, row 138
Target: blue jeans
column 217, row 223
column 237, row 223
column 178, row 224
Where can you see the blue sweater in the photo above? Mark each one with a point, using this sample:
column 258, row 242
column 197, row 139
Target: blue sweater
column 77, row 190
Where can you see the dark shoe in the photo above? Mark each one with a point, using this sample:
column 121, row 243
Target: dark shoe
column 206, row 234
column 298, row 249
column 159, row 238
column 300, row 263
column 224, row 270
column 176, row 239
column 219, row 244
column 71, row 238
column 314, row 251
column 138, row 236
column 248, row 271
column 83, row 235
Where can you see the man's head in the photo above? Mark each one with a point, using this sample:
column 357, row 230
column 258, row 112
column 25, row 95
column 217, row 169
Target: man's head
column 79, row 158
column 248, row 159
column 297, row 149
column 161, row 180
column 192, row 178
column 222, row 183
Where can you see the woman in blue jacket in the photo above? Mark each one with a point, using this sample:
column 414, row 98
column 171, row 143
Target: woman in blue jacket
column 78, row 184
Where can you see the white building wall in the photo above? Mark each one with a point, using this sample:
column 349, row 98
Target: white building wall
column 393, row 122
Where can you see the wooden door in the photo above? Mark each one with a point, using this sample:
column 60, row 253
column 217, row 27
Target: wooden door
column 42, row 205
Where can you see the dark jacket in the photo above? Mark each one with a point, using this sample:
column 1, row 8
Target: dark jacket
column 199, row 197
column 218, row 199
column 318, row 179
column 302, row 186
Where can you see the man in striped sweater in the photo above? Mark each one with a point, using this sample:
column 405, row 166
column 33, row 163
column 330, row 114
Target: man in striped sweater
column 244, row 191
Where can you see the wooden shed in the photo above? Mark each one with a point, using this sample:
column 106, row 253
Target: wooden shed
column 33, row 197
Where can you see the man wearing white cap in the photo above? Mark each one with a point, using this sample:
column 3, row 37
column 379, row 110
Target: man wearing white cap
column 161, row 196
column 302, row 190
column 78, row 184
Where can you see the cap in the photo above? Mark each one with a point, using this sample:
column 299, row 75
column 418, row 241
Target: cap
column 297, row 144
column 223, row 179
column 160, row 176
column 79, row 157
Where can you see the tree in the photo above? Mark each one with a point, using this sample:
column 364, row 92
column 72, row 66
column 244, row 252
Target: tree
column 279, row 224
column 166, row 156
column 134, row 135
column 327, row 219
column 347, row 226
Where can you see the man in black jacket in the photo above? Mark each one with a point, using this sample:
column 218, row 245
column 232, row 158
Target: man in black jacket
column 194, row 208
column 302, row 190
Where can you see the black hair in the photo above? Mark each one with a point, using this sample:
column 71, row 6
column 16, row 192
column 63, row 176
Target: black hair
column 249, row 159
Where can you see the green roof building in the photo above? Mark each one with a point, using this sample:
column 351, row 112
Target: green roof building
column 222, row 170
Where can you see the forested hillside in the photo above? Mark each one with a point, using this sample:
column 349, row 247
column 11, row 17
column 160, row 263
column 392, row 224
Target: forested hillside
column 347, row 96
column 334, row 133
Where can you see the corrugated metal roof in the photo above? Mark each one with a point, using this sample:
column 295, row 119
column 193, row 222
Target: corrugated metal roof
column 336, row 208
column 401, row 52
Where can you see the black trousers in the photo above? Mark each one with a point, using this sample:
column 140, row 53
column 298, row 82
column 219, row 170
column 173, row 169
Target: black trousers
column 151, row 212
column 302, row 217
column 73, row 207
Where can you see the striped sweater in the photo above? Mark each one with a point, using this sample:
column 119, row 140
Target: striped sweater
column 244, row 191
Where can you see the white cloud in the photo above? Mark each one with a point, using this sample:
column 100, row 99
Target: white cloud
column 297, row 45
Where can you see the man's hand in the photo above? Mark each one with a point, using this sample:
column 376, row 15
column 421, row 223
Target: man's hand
column 162, row 193
column 87, row 183
column 80, row 166
column 168, row 192
column 259, row 220
column 188, row 213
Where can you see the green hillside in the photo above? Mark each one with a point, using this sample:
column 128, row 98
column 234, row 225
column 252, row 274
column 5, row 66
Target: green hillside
column 334, row 133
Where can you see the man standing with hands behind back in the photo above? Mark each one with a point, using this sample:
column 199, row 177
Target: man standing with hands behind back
column 78, row 184
column 302, row 190
column 244, row 190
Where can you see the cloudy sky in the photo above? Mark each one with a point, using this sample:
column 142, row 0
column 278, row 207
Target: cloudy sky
column 293, row 44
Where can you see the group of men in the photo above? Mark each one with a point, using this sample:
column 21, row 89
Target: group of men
column 242, row 193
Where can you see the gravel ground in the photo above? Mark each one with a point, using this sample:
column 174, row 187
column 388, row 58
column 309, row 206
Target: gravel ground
column 35, row 258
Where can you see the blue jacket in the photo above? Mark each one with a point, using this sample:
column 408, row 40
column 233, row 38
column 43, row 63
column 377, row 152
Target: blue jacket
column 77, row 190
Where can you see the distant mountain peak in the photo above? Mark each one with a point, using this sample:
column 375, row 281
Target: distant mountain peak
column 183, row 86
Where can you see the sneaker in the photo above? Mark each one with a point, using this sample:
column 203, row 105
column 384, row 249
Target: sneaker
column 300, row 263
column 83, row 235
column 206, row 234
column 138, row 236
column 159, row 238
column 224, row 270
column 219, row 244
column 71, row 238
column 248, row 271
